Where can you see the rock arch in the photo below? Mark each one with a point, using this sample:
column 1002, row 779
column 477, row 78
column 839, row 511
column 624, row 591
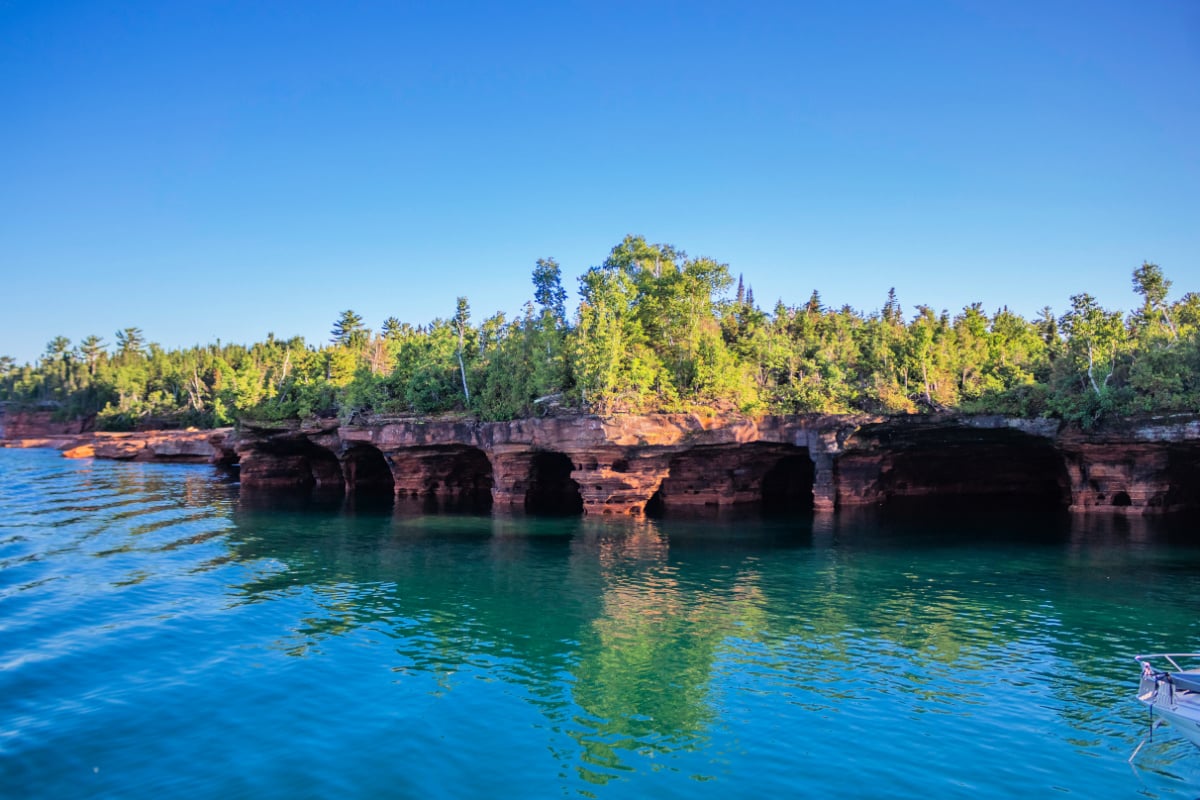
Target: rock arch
column 292, row 463
column 366, row 470
column 957, row 468
column 454, row 476
column 771, row 476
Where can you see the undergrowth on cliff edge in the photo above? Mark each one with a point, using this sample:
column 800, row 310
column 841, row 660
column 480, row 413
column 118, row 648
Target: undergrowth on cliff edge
column 655, row 330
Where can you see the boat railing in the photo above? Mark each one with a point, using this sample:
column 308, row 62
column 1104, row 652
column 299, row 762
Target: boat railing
column 1170, row 685
column 1174, row 659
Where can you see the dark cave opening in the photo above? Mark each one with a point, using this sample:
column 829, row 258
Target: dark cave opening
column 551, row 489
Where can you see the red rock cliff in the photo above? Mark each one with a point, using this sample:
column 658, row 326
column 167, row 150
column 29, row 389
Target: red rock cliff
column 77, row 440
column 627, row 464
column 41, row 425
column 678, row 462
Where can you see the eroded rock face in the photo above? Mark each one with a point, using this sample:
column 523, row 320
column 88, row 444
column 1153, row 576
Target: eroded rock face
column 993, row 465
column 614, row 465
column 42, row 425
column 174, row 447
column 289, row 457
column 680, row 462
column 738, row 474
column 1135, row 467
column 674, row 462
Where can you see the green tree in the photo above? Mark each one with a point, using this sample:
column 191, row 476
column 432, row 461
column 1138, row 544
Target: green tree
column 892, row 313
column 654, row 332
column 1152, row 285
column 548, row 290
column 1094, row 338
column 130, row 343
column 349, row 330
column 92, row 350
column 57, row 349
column 393, row 329
column 614, row 369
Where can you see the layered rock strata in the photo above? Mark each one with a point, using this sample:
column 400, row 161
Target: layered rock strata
column 680, row 463
column 174, row 447
column 676, row 462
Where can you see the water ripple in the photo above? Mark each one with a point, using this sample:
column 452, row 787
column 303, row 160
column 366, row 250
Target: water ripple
column 159, row 638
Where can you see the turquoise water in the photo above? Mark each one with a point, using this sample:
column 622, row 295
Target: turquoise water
column 162, row 635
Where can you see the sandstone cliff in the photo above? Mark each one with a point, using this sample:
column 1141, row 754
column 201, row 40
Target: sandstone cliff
column 678, row 463
column 77, row 440
column 632, row 464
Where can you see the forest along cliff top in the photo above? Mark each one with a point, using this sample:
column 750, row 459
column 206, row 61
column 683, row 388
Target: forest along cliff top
column 654, row 331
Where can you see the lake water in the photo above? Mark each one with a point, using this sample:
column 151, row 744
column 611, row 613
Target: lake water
column 162, row 635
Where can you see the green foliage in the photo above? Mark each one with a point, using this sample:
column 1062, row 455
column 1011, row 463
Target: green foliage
column 349, row 330
column 130, row 342
column 654, row 331
column 548, row 291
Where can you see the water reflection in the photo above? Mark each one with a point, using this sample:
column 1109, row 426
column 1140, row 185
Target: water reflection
column 594, row 613
column 625, row 632
column 748, row 650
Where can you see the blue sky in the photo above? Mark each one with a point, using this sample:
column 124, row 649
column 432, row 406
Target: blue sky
column 208, row 170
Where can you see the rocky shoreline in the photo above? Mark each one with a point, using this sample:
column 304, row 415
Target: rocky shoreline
column 631, row 464
column 76, row 440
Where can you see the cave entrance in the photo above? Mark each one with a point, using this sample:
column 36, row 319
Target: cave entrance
column 655, row 506
column 787, row 487
column 776, row 478
column 292, row 464
column 975, row 470
column 1183, row 480
column 461, row 478
column 367, row 471
column 324, row 469
column 443, row 478
column 551, row 490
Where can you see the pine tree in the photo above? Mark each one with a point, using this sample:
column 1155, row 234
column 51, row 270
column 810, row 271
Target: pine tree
column 349, row 330
column 392, row 328
column 91, row 348
column 130, row 341
column 891, row 309
column 814, row 303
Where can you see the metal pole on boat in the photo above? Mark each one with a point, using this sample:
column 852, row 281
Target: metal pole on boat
column 1154, row 723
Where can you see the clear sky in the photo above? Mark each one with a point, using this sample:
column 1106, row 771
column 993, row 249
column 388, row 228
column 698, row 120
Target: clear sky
column 212, row 169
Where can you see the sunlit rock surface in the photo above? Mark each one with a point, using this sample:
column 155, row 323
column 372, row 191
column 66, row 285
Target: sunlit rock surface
column 684, row 463
column 677, row 462
column 77, row 440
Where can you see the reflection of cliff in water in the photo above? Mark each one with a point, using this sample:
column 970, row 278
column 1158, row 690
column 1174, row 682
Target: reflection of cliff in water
column 583, row 612
column 624, row 630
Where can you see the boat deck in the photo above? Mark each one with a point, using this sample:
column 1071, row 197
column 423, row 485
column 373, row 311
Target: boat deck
column 1170, row 686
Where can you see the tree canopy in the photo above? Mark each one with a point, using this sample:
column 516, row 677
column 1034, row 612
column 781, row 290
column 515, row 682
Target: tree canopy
column 654, row 330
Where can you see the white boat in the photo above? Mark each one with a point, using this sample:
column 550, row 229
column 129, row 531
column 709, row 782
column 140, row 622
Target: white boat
column 1170, row 687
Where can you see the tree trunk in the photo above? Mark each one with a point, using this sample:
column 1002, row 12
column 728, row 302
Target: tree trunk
column 1091, row 378
column 463, row 370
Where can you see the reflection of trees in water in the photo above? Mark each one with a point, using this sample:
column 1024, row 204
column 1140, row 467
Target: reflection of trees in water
column 959, row 610
column 588, row 616
column 450, row 591
column 644, row 671
column 621, row 632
